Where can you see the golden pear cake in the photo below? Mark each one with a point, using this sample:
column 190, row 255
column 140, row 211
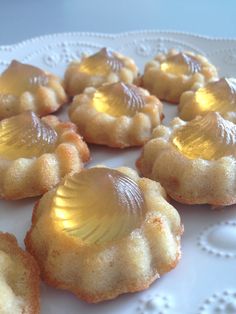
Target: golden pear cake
column 170, row 74
column 111, row 232
column 105, row 66
column 35, row 154
column 219, row 96
column 194, row 161
column 19, row 279
column 117, row 115
column 25, row 87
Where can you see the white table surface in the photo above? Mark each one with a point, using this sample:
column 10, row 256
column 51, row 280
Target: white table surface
column 22, row 19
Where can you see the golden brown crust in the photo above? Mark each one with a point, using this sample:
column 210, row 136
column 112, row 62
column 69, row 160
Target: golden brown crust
column 24, row 277
column 76, row 81
column 45, row 100
column 189, row 181
column 104, row 129
column 169, row 87
column 101, row 272
column 27, row 177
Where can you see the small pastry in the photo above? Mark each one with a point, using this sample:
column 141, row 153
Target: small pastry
column 19, row 279
column 36, row 153
column 171, row 74
column 24, row 87
column 110, row 232
column 105, row 66
column 117, row 115
column 217, row 96
column 194, row 161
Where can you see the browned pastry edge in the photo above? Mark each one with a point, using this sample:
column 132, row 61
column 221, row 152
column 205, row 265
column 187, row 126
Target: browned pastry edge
column 45, row 100
column 65, row 244
column 131, row 288
column 170, row 87
column 9, row 245
column 172, row 183
column 28, row 177
column 118, row 132
column 76, row 81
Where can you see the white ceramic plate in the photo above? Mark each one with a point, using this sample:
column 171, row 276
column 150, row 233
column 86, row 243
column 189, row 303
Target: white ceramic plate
column 205, row 279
